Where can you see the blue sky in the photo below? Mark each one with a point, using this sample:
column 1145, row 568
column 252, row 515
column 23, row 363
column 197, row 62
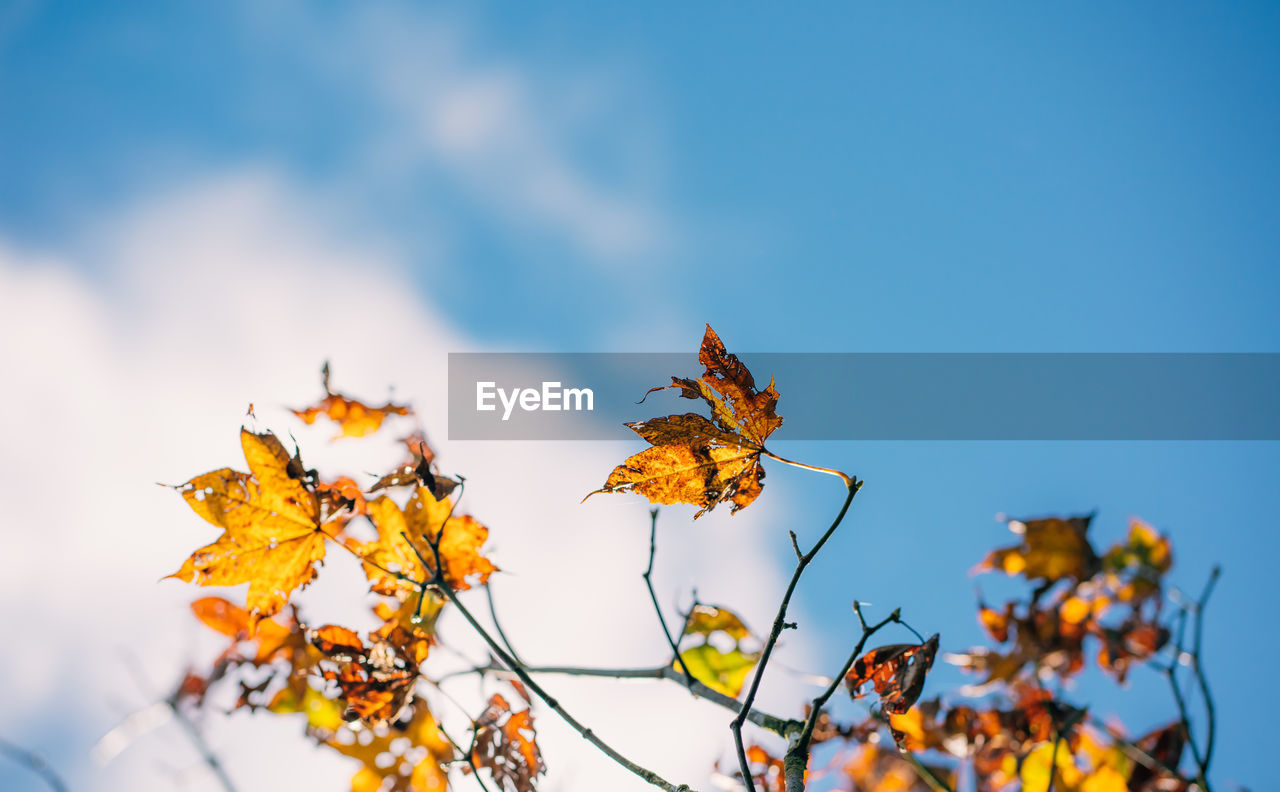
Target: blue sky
column 1099, row 177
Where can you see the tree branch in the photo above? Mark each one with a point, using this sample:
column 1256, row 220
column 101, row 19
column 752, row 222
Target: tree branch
column 653, row 597
column 1198, row 666
column 33, row 762
column 780, row 621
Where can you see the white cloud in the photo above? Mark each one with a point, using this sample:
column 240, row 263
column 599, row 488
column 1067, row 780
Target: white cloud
column 506, row 135
column 131, row 356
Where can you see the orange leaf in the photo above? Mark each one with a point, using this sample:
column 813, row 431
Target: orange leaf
column 354, row 418
column 705, row 461
column 505, row 744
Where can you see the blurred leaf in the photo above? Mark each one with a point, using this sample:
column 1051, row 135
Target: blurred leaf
column 725, row 672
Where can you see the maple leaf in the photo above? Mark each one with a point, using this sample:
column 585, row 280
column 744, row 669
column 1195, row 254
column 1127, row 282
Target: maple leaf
column 425, row 519
column 354, row 418
column 505, row 744
column 272, row 538
column 896, row 671
column 701, row 461
column 409, row 756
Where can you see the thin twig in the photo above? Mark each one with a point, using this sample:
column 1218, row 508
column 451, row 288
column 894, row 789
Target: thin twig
column 1197, row 665
column 780, row 621
column 820, row 701
column 210, row 758
column 1184, row 714
column 782, row 727
column 497, row 625
column 1134, row 751
column 33, row 762
column 653, row 597
column 925, row 772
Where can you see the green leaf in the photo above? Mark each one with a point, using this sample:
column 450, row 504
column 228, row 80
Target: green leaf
column 721, row 671
column 324, row 714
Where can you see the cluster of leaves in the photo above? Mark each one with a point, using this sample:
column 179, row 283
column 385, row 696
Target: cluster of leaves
column 1016, row 729
column 359, row 695
column 362, row 695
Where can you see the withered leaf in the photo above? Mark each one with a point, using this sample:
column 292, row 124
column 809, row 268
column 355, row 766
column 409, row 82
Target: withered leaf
column 701, row 461
column 272, row 536
column 897, row 673
column 506, row 745
column 375, row 682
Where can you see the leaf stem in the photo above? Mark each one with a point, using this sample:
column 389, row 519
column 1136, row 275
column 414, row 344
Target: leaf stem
column 848, row 481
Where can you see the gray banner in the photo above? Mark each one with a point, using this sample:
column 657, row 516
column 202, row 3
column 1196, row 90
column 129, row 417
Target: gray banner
column 865, row 396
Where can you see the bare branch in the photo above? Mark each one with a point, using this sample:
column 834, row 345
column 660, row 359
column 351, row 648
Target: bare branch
column 653, row 597
column 33, row 762
column 780, row 621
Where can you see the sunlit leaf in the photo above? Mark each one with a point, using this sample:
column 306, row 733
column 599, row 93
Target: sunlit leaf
column 272, row 536
column 725, row 672
column 701, row 461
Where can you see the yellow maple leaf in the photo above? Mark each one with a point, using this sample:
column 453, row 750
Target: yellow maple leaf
column 272, row 535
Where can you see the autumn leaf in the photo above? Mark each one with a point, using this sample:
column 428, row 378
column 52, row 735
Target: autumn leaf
column 236, row 623
column 768, row 771
column 399, row 758
column 896, row 672
column 1051, row 549
column 424, row 519
column 272, row 536
column 375, row 682
column 354, row 418
column 1137, row 567
column 701, row 461
column 505, row 744
column 709, row 619
column 876, row 768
